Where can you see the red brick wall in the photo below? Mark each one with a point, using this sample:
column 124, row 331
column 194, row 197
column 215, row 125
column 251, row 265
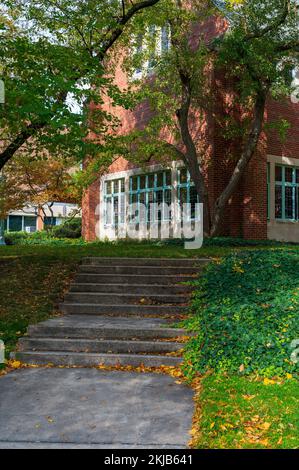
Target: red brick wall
column 246, row 213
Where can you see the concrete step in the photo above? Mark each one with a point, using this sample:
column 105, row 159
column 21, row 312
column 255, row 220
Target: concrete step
column 143, row 270
column 97, row 346
column 93, row 327
column 139, row 289
column 123, row 299
column 121, row 310
column 89, row 359
column 191, row 262
column 133, row 279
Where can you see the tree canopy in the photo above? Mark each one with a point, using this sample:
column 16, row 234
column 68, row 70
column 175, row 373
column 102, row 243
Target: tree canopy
column 52, row 63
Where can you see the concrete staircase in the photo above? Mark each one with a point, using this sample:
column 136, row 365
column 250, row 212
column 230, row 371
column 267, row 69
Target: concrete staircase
column 118, row 311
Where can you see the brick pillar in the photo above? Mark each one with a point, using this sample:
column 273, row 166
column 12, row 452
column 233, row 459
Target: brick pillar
column 255, row 195
column 90, row 212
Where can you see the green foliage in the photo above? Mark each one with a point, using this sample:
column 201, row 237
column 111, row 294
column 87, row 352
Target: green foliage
column 45, row 237
column 246, row 314
column 69, row 229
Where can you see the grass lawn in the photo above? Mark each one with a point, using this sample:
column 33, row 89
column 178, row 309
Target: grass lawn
column 236, row 408
column 238, row 412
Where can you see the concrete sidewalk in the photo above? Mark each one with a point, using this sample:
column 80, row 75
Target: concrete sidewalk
column 89, row 408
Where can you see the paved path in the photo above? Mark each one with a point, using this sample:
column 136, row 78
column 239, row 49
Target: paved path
column 88, row 408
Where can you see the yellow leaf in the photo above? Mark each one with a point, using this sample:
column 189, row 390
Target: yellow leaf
column 15, row 364
column 212, row 425
column 265, row 426
column 248, row 397
column 268, row 381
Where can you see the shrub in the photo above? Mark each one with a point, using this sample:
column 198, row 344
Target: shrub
column 69, row 229
column 246, row 314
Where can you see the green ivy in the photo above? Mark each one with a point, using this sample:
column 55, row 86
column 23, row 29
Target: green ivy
column 245, row 313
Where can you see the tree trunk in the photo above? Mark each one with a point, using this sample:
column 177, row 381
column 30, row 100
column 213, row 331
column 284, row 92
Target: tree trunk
column 247, row 154
column 191, row 157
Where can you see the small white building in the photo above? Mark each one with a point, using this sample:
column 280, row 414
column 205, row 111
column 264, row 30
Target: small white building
column 32, row 218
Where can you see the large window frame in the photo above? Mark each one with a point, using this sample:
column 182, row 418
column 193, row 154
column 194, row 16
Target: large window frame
column 147, row 189
column 114, row 202
column 286, row 193
column 187, row 187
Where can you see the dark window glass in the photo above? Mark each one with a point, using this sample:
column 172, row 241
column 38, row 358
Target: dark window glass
column 50, row 221
column 134, row 183
column 151, row 180
column 15, row 223
column 193, row 201
column 142, row 182
column 288, row 202
column 30, row 222
column 183, row 176
column 160, row 180
column 288, row 175
column 297, row 176
column 278, row 173
column 278, row 202
column 168, row 178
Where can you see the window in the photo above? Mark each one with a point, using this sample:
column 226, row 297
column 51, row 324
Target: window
column 114, row 202
column 187, row 193
column 155, row 41
column 29, row 224
column 148, row 189
column 50, row 221
column 15, row 223
column 286, row 192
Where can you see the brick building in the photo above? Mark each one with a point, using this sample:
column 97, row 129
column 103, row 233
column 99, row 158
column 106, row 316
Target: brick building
column 266, row 203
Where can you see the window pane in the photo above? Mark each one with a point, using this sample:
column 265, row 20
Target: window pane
column 150, row 200
column 288, row 175
column 160, row 180
column 108, row 187
column 151, row 180
column 122, row 209
column 15, row 223
column 50, row 221
column 108, row 211
column 193, row 201
column 183, row 176
column 278, row 202
column 122, row 185
column 278, row 173
column 183, row 195
column 159, row 197
column 142, row 182
column 165, row 41
column 167, row 200
column 115, row 210
column 134, row 183
column 288, row 202
column 297, row 176
column 168, row 178
column 29, row 223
